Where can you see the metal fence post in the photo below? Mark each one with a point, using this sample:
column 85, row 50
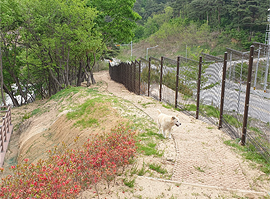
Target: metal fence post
column 244, row 129
column 223, row 90
column 161, row 74
column 199, row 87
column 140, row 62
column 177, row 81
column 149, row 76
column 134, row 77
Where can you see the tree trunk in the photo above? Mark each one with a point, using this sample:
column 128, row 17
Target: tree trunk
column 1, row 76
column 79, row 75
column 14, row 100
column 92, row 77
column 67, row 69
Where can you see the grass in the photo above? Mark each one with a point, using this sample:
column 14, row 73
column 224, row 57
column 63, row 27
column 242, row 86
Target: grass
column 145, row 104
column 199, row 169
column 157, row 168
column 36, row 111
column 250, row 153
column 129, row 183
column 90, row 112
column 142, row 171
column 71, row 91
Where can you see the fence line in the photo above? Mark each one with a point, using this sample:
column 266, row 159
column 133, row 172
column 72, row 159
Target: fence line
column 212, row 89
column 5, row 132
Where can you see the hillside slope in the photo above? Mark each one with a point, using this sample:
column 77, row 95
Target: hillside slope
column 198, row 163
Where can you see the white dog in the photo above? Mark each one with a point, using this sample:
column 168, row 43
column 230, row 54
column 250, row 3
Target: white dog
column 166, row 122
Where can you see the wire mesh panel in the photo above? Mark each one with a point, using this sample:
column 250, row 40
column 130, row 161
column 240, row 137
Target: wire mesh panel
column 168, row 87
column 155, row 75
column 258, row 128
column 144, row 76
column 137, row 76
column 211, row 88
column 234, row 97
column 187, row 85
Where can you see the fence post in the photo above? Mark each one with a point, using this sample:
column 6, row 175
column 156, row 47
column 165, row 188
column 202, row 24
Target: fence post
column 134, row 77
column 223, row 90
column 177, row 81
column 140, row 62
column 244, row 129
column 149, row 76
column 2, row 138
column 199, row 87
column 161, row 74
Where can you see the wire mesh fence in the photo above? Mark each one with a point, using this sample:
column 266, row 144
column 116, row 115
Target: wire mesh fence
column 258, row 127
column 211, row 88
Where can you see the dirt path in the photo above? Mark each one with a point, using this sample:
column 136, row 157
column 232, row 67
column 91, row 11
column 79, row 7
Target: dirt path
column 204, row 164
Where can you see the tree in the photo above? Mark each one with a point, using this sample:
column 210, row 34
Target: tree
column 10, row 46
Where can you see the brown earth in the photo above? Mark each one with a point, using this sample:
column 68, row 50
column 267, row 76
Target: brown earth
column 199, row 164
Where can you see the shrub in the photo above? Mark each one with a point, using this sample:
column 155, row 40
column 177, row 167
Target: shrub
column 66, row 173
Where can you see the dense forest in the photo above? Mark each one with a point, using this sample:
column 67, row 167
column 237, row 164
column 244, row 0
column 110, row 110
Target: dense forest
column 246, row 19
column 49, row 45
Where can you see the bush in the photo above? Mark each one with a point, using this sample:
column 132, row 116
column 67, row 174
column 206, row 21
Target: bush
column 67, row 173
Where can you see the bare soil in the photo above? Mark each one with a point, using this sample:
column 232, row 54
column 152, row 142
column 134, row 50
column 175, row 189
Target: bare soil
column 198, row 163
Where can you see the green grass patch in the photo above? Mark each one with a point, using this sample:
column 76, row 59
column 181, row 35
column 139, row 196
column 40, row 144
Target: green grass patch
column 148, row 150
column 158, row 168
column 90, row 112
column 142, row 171
column 37, row 111
column 250, row 152
column 232, row 120
column 69, row 92
column 148, row 103
column 167, row 106
column 26, row 116
column 129, row 183
column 199, row 169
column 190, row 107
column 89, row 122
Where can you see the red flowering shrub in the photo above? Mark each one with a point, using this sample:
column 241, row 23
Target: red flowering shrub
column 67, row 173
